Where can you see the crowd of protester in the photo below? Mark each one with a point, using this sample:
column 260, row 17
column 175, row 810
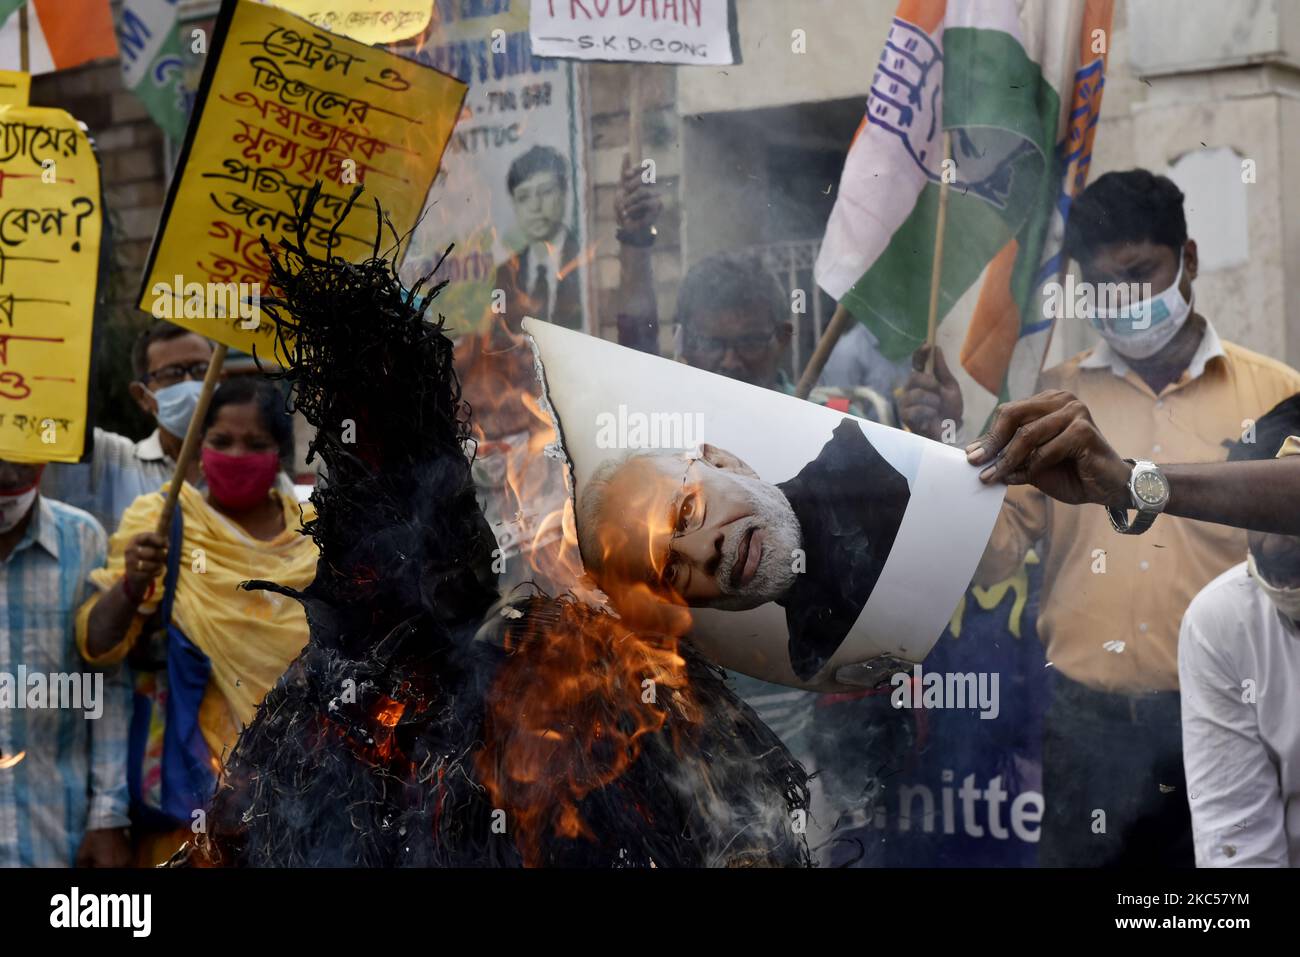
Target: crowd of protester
column 1170, row 738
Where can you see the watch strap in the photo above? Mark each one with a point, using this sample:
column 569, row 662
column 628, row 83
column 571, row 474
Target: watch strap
column 1120, row 521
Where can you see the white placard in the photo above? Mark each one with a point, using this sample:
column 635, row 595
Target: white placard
column 640, row 31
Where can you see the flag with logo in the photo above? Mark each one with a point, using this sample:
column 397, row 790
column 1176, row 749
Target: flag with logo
column 1018, row 84
column 59, row 34
column 153, row 62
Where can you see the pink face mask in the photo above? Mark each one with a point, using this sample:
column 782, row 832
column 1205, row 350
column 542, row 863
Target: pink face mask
column 239, row 481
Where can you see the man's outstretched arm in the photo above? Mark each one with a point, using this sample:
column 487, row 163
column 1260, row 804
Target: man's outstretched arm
column 1050, row 441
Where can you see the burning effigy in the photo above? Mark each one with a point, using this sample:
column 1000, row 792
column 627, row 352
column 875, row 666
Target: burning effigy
column 437, row 718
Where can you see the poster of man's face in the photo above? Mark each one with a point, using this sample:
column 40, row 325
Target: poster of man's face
column 801, row 540
column 538, row 194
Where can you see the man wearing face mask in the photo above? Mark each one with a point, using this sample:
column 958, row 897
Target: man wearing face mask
column 1161, row 385
column 169, row 363
column 1238, row 664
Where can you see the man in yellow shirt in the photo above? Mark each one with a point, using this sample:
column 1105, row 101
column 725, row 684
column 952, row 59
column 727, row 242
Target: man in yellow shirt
column 1160, row 385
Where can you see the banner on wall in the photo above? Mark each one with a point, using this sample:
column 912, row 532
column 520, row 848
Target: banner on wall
column 513, row 181
column 50, row 228
column 283, row 106
column 698, row 32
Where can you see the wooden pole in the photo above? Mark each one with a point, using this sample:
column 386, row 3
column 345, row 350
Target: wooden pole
column 813, row 371
column 24, row 41
column 840, row 321
column 936, row 271
column 190, row 447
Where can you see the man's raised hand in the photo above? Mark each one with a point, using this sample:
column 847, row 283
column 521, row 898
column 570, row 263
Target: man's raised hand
column 930, row 398
column 637, row 205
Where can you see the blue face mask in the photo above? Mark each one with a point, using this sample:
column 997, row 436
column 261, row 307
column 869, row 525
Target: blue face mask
column 176, row 405
column 1140, row 330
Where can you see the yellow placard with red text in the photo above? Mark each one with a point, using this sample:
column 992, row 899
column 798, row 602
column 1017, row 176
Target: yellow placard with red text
column 50, row 227
column 283, row 106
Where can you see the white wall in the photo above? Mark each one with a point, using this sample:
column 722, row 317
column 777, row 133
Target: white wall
column 843, row 42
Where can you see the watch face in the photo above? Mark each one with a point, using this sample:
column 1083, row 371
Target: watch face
column 1149, row 488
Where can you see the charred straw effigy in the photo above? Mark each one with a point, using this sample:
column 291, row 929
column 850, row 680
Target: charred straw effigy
column 431, row 721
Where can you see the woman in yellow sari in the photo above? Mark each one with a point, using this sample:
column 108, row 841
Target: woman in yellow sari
column 221, row 648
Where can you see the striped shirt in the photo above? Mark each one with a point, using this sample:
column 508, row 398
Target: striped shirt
column 62, row 770
column 788, row 712
column 118, row 473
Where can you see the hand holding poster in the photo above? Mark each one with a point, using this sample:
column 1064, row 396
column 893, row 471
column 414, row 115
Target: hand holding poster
column 645, row 31
column 283, row 106
column 812, row 548
column 50, row 223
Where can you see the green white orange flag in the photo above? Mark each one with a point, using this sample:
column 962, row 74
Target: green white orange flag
column 1018, row 83
column 61, row 34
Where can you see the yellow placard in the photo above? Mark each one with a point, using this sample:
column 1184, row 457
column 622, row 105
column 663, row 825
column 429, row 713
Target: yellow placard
column 50, row 223
column 284, row 106
column 370, row 21
column 15, row 88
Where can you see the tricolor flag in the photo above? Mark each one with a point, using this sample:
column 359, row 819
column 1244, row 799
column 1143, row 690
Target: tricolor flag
column 61, row 34
column 1018, row 83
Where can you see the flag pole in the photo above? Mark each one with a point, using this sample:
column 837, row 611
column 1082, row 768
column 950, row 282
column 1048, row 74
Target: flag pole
column 813, row 371
column 840, row 321
column 24, row 38
column 190, row 447
column 936, row 271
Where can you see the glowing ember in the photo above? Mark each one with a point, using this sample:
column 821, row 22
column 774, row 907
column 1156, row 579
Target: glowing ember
column 12, row 761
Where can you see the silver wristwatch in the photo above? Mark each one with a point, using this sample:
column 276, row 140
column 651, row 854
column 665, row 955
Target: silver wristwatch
column 1149, row 489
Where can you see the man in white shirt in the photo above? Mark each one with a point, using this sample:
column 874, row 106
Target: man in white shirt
column 1238, row 666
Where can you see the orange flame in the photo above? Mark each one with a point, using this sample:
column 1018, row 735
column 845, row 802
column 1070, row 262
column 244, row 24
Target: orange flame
column 581, row 687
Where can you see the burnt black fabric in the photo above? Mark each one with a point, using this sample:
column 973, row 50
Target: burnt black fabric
column 849, row 502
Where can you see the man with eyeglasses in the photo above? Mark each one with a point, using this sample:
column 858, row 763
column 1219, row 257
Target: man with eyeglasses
column 169, row 363
column 733, row 319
